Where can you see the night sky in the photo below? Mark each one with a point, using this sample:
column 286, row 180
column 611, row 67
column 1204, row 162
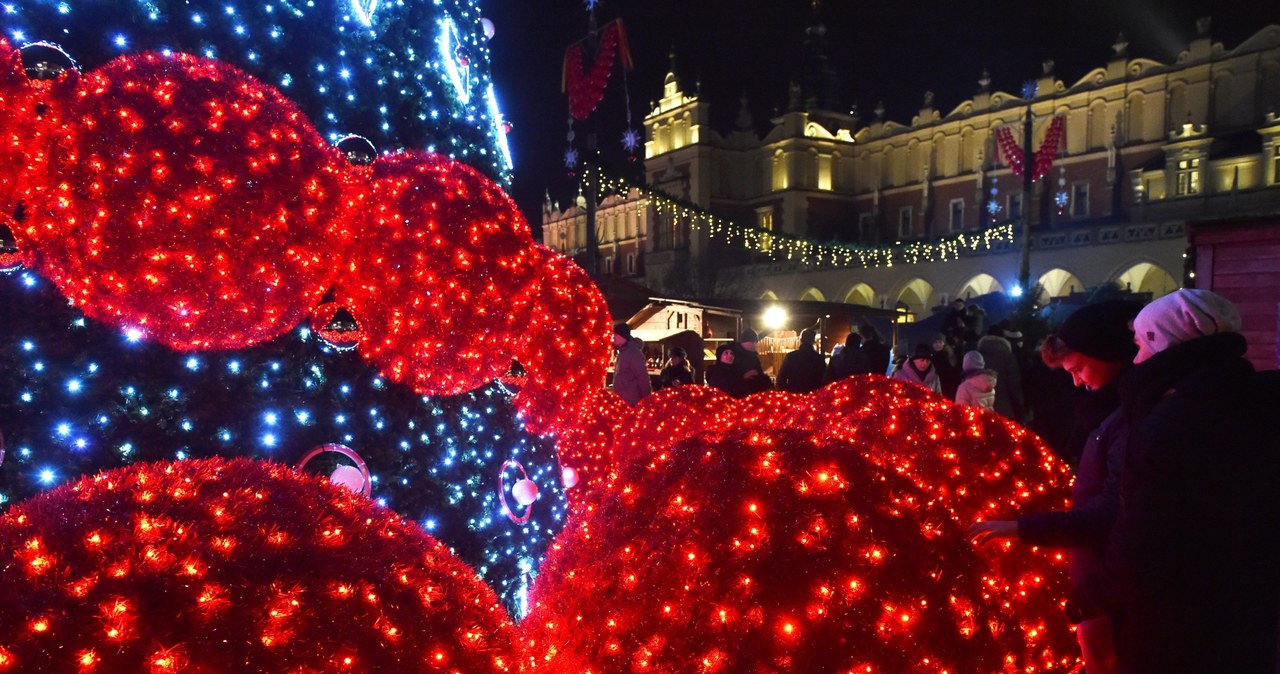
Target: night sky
column 887, row 51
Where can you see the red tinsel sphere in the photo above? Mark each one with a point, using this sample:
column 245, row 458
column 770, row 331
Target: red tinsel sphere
column 565, row 347
column 189, row 201
column 32, row 114
column 205, row 566
column 759, row 543
column 439, row 272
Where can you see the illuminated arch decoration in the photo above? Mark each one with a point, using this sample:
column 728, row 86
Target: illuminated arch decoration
column 979, row 285
column 862, row 295
column 812, row 295
column 1145, row 277
column 916, row 295
column 1060, row 283
column 769, row 295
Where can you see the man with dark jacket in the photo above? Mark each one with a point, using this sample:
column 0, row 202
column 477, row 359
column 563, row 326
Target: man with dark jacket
column 631, row 375
column 802, row 370
column 875, row 348
column 1191, row 573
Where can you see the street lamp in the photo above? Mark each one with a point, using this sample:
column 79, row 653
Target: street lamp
column 774, row 318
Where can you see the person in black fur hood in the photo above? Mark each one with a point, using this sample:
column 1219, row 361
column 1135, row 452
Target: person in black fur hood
column 1191, row 573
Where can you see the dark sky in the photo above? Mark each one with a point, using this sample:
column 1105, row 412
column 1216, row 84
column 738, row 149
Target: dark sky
column 890, row 51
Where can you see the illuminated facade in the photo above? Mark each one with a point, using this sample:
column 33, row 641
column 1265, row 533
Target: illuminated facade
column 1147, row 147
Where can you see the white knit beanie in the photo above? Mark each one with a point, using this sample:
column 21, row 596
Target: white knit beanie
column 973, row 360
column 1181, row 316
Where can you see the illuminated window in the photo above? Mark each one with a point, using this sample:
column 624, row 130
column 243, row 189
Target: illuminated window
column 1080, row 200
column 824, row 172
column 957, row 215
column 764, row 220
column 1188, row 177
column 904, row 222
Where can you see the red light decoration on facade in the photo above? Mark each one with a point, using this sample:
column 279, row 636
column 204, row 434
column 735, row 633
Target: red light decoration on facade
column 245, row 566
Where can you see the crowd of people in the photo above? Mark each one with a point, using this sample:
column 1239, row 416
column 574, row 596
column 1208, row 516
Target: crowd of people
column 1173, row 533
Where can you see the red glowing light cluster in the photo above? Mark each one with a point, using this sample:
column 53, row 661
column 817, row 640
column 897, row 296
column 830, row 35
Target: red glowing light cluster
column 181, row 198
column 208, row 566
column 820, row 533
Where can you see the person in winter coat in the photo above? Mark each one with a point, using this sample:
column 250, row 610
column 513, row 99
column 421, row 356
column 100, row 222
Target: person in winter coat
column 1095, row 346
column 998, row 355
column 875, row 348
column 1191, row 572
column 850, row 361
column 948, row 365
column 677, row 371
column 978, row 387
column 723, row 374
column 920, row 370
column 630, row 375
column 802, row 370
column 750, row 370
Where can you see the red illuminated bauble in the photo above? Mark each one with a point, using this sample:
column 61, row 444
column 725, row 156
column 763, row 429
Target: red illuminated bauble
column 33, row 104
column 771, row 537
column 190, row 202
column 234, row 566
column 438, row 272
column 565, row 348
column 336, row 326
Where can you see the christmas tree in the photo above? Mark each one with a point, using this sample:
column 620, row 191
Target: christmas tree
column 77, row 396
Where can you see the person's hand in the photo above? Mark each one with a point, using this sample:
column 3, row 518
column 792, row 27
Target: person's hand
column 985, row 532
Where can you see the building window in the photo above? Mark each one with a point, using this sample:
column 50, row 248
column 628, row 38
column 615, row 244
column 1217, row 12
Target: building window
column 1275, row 174
column 764, row 220
column 864, row 227
column 957, row 215
column 1013, row 205
column 1188, row 177
column 1080, row 200
column 631, row 264
column 904, row 222
column 608, row 266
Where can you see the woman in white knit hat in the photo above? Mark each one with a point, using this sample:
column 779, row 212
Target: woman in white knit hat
column 1191, row 574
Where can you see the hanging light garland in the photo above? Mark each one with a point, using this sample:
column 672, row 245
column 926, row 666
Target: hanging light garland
column 825, row 253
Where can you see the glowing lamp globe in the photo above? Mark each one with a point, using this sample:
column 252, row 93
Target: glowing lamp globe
column 234, row 566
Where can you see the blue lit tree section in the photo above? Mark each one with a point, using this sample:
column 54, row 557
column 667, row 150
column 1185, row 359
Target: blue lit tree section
column 77, row 397
column 403, row 74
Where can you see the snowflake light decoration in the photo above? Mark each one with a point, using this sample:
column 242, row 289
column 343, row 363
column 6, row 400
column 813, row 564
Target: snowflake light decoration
column 630, row 140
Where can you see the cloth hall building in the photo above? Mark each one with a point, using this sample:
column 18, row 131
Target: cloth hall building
column 1148, row 151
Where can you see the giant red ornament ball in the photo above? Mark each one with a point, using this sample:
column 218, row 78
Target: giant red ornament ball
column 212, row 566
column 815, row 534
column 189, row 202
column 440, row 261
